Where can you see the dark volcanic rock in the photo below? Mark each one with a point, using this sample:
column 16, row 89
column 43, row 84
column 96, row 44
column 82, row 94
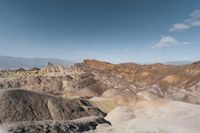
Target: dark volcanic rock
column 21, row 105
column 73, row 126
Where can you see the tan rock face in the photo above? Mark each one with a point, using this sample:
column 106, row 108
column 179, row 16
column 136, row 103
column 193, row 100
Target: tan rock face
column 97, row 64
column 171, row 79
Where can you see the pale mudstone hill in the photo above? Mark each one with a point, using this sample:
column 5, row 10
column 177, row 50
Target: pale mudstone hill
column 154, row 116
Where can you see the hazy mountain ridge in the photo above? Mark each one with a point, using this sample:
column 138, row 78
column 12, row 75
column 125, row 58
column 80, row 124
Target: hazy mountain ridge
column 183, row 62
column 7, row 62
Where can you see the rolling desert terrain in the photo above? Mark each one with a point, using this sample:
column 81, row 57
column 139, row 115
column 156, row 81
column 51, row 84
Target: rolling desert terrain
column 97, row 96
column 99, row 66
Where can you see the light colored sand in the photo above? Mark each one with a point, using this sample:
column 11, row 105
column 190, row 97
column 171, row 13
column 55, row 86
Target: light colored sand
column 3, row 131
column 158, row 116
column 149, row 126
column 119, row 114
column 163, row 109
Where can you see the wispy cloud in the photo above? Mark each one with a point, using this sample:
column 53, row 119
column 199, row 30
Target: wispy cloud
column 165, row 41
column 187, row 43
column 191, row 22
column 168, row 41
column 126, row 50
column 179, row 26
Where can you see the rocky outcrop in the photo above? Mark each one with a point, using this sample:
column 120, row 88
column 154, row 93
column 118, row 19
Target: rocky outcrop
column 125, row 83
column 60, row 95
column 21, row 105
column 97, row 64
column 72, row 126
column 136, row 82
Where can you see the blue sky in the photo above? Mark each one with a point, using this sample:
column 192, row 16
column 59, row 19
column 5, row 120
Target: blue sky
column 143, row 31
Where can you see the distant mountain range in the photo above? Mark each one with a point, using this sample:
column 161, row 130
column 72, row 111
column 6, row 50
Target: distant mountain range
column 7, row 62
column 183, row 62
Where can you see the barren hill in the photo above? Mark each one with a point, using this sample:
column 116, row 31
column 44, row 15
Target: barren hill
column 21, row 105
column 26, row 111
column 125, row 83
column 155, row 116
column 57, row 92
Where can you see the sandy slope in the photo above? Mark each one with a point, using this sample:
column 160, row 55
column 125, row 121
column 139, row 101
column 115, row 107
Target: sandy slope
column 158, row 116
column 119, row 114
column 149, row 126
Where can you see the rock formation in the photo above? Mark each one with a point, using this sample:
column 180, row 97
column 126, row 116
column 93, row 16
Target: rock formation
column 56, row 93
column 123, row 82
column 21, row 105
column 72, row 126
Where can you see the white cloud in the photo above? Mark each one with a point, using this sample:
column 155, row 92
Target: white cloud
column 126, row 50
column 187, row 43
column 195, row 23
column 166, row 41
column 195, row 14
column 192, row 21
column 179, row 26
